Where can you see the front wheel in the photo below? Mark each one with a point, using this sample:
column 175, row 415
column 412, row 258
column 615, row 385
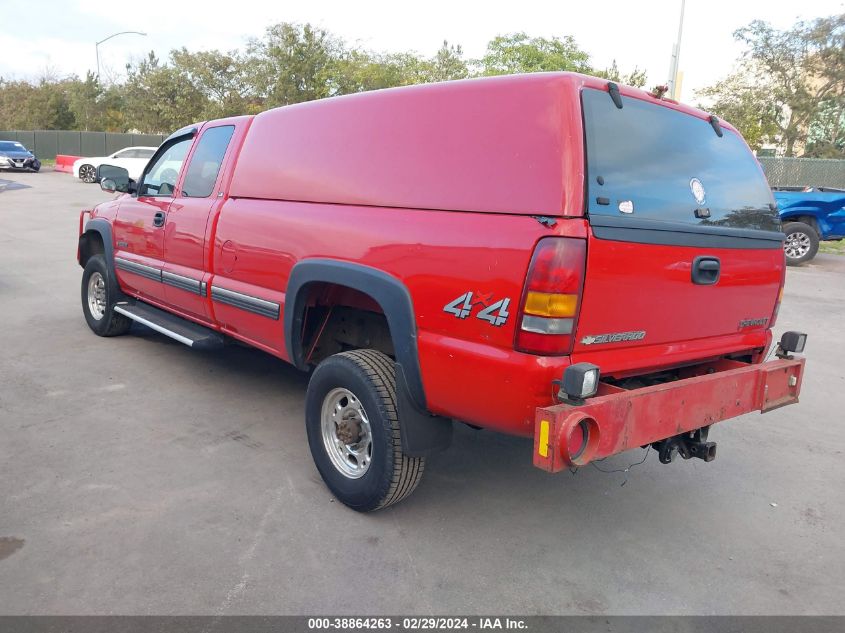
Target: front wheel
column 802, row 243
column 354, row 432
column 99, row 294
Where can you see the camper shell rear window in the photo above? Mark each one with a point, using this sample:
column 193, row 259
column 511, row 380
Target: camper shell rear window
column 651, row 162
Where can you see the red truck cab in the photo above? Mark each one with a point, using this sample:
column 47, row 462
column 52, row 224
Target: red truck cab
column 546, row 255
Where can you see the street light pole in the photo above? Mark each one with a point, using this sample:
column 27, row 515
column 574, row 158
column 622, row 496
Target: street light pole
column 676, row 54
column 97, row 46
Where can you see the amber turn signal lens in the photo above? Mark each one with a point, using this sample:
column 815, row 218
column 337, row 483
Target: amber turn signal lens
column 548, row 304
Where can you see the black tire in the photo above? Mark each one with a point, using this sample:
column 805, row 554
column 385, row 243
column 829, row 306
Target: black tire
column 391, row 476
column 36, row 166
column 87, row 173
column 110, row 323
column 799, row 236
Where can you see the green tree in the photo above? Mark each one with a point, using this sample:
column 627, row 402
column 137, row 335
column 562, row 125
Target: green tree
column 826, row 136
column 160, row 98
column 448, row 63
column 785, row 78
column 293, row 63
column 40, row 106
column 747, row 105
column 13, row 98
column 113, row 109
column 636, row 77
column 519, row 53
column 289, row 63
column 220, row 77
column 83, row 97
column 360, row 71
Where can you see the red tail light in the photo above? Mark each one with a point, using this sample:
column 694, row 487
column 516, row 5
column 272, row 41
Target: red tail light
column 552, row 297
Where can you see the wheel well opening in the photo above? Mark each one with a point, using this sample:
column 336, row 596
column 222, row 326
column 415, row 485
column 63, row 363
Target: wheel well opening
column 338, row 318
column 806, row 219
column 90, row 244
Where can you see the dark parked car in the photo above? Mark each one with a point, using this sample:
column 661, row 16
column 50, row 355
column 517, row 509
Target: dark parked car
column 13, row 155
column 810, row 214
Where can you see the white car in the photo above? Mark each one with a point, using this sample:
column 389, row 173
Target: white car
column 132, row 159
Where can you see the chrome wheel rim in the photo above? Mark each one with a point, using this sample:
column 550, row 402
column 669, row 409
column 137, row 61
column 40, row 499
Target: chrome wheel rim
column 97, row 295
column 797, row 245
column 87, row 173
column 346, row 432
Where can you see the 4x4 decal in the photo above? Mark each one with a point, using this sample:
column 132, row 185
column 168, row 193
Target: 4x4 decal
column 495, row 313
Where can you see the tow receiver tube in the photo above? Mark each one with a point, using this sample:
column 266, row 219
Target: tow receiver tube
column 596, row 420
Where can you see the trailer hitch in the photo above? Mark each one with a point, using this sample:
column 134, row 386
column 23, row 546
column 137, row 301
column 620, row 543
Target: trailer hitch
column 687, row 445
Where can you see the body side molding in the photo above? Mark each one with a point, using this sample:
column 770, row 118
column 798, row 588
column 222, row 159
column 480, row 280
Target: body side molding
column 188, row 284
column 150, row 272
column 269, row 309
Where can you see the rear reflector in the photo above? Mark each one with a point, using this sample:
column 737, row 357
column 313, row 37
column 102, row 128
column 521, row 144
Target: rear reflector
column 551, row 296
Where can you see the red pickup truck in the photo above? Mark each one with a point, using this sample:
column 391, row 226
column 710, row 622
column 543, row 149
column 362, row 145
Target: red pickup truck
column 546, row 255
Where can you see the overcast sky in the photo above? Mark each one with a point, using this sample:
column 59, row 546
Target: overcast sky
column 59, row 34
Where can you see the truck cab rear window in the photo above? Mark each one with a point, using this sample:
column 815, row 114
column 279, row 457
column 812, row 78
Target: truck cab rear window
column 205, row 163
column 651, row 162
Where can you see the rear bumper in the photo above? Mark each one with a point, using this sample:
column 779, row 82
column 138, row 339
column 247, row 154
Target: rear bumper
column 616, row 419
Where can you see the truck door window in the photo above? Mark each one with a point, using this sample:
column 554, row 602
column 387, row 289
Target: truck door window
column 160, row 177
column 205, row 163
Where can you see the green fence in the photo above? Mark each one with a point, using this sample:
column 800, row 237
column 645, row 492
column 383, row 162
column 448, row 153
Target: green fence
column 804, row 172
column 47, row 143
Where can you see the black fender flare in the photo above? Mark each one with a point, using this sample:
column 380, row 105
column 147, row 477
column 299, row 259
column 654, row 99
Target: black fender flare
column 101, row 226
column 423, row 433
column 104, row 229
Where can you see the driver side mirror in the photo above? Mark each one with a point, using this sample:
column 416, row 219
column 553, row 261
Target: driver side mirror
column 115, row 179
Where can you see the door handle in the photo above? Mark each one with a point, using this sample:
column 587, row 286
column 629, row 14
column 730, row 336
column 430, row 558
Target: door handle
column 158, row 218
column 706, row 270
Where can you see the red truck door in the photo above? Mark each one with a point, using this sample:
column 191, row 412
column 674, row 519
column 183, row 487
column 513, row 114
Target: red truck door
column 185, row 271
column 140, row 221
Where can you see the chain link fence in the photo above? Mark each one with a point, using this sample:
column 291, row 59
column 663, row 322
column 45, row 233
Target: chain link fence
column 804, row 172
column 47, row 143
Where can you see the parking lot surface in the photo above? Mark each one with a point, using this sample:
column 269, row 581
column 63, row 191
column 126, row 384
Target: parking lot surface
column 140, row 477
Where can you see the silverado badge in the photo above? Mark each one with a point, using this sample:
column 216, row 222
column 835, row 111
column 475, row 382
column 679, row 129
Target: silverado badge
column 613, row 337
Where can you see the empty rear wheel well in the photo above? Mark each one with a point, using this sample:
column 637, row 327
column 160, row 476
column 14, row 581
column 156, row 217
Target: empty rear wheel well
column 90, row 244
column 338, row 319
